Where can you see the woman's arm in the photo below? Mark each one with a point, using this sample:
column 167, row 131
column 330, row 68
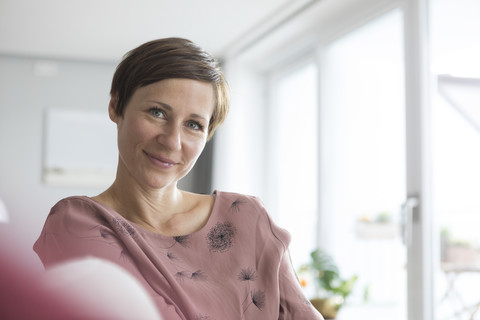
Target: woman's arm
column 293, row 304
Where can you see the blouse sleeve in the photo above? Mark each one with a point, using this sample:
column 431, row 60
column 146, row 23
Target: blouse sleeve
column 293, row 304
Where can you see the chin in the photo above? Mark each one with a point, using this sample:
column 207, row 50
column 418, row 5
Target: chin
column 160, row 183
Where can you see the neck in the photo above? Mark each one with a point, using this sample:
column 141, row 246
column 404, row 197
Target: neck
column 168, row 210
column 150, row 207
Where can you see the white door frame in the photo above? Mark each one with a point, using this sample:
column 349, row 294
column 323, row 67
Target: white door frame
column 420, row 255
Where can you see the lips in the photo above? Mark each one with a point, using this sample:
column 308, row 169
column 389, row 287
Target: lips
column 160, row 161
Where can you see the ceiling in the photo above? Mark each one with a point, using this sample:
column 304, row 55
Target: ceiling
column 105, row 29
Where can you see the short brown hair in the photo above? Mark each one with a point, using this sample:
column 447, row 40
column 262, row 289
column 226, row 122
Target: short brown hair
column 166, row 59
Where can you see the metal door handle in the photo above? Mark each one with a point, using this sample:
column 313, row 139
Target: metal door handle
column 408, row 215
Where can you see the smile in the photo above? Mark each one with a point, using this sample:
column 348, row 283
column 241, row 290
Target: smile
column 159, row 161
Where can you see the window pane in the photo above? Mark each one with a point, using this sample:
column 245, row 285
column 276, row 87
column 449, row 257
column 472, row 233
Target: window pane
column 363, row 165
column 294, row 133
column 456, row 156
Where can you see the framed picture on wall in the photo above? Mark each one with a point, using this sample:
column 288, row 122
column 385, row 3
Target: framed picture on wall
column 80, row 148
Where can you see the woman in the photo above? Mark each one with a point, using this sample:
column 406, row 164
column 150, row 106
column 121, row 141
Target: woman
column 200, row 256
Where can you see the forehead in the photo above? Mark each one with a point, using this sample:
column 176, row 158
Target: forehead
column 179, row 93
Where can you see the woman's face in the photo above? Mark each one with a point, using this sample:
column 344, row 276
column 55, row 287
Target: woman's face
column 163, row 130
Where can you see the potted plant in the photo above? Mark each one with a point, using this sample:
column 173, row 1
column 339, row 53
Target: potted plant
column 331, row 289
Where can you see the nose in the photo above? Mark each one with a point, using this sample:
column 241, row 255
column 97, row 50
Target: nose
column 171, row 137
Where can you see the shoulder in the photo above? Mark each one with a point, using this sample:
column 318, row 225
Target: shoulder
column 74, row 204
column 234, row 200
column 251, row 210
column 76, row 209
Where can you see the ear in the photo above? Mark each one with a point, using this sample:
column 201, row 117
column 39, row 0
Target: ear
column 112, row 107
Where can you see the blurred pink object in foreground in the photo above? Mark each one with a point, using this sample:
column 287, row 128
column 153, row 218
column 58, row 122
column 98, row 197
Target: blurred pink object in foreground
column 85, row 289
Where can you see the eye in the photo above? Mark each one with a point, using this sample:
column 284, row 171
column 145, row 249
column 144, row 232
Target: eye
column 157, row 112
column 194, row 126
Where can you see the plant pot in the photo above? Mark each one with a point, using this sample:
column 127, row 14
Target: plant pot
column 328, row 307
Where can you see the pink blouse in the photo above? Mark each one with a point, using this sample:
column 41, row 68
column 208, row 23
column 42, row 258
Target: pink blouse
column 236, row 267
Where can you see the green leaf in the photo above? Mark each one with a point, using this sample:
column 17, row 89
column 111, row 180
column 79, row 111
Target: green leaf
column 327, row 274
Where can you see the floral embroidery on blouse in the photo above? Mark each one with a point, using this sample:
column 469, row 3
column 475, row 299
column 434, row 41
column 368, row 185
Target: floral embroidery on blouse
column 182, row 240
column 235, row 206
column 247, row 274
column 255, row 297
column 182, row 272
column 221, row 237
column 123, row 227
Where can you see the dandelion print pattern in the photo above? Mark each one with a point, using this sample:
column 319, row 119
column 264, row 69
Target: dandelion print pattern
column 257, row 299
column 221, row 236
column 183, row 272
column 182, row 240
column 247, row 275
column 181, row 275
column 171, row 256
column 235, row 206
column 198, row 275
column 124, row 227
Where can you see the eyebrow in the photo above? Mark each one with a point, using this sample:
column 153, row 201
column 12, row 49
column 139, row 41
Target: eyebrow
column 170, row 108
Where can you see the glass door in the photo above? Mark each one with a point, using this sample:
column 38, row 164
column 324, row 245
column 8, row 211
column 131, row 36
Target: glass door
column 362, row 165
column 456, row 157
column 293, row 155
column 373, row 188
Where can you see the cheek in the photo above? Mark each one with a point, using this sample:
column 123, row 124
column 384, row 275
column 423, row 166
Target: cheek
column 195, row 148
column 131, row 133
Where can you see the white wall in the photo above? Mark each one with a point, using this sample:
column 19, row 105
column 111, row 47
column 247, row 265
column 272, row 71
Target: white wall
column 239, row 151
column 24, row 96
